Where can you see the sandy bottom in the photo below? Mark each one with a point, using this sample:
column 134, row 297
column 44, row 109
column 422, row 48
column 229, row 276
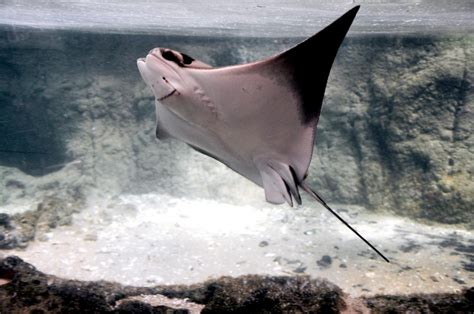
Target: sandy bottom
column 155, row 239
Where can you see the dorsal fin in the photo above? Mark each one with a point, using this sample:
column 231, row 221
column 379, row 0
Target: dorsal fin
column 310, row 62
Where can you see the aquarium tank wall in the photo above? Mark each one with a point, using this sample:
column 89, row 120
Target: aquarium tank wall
column 87, row 192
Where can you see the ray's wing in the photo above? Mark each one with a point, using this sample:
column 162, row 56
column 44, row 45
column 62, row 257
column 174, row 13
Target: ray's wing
column 268, row 110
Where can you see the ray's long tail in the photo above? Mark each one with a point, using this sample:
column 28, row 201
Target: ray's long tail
column 314, row 195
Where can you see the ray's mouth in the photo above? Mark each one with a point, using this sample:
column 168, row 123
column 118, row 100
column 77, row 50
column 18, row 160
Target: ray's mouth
column 167, row 95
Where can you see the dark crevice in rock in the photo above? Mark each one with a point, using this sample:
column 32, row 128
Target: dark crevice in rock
column 389, row 169
column 464, row 89
column 357, row 149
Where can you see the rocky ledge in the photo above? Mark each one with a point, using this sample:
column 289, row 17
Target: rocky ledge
column 24, row 288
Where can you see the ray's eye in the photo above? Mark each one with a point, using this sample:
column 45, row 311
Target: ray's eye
column 170, row 56
column 176, row 57
column 187, row 59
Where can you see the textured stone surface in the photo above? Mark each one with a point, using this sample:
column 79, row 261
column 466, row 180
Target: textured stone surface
column 395, row 131
column 422, row 303
column 397, row 134
column 18, row 229
column 25, row 289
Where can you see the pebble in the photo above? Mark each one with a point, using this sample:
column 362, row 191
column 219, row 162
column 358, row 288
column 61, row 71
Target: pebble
column 263, row 244
column 325, row 261
column 90, row 237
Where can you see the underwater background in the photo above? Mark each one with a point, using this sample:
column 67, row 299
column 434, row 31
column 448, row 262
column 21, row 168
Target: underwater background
column 83, row 179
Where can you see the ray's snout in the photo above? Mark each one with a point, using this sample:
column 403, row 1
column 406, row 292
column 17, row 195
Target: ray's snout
column 155, row 52
column 158, row 74
column 150, row 65
column 141, row 64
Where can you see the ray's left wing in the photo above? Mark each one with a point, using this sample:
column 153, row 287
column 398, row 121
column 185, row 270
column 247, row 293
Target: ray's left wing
column 268, row 110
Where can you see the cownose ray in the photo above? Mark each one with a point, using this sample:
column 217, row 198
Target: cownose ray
column 259, row 118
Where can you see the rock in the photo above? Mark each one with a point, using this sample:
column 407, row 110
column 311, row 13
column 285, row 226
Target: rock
column 7, row 234
column 256, row 294
column 21, row 228
column 143, row 308
column 325, row 261
column 29, row 289
column 157, row 304
column 25, row 289
column 423, row 303
column 386, row 132
column 263, row 244
column 91, row 237
column 5, row 220
column 134, row 307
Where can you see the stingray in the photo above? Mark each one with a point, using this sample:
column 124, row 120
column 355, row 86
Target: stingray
column 259, row 119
